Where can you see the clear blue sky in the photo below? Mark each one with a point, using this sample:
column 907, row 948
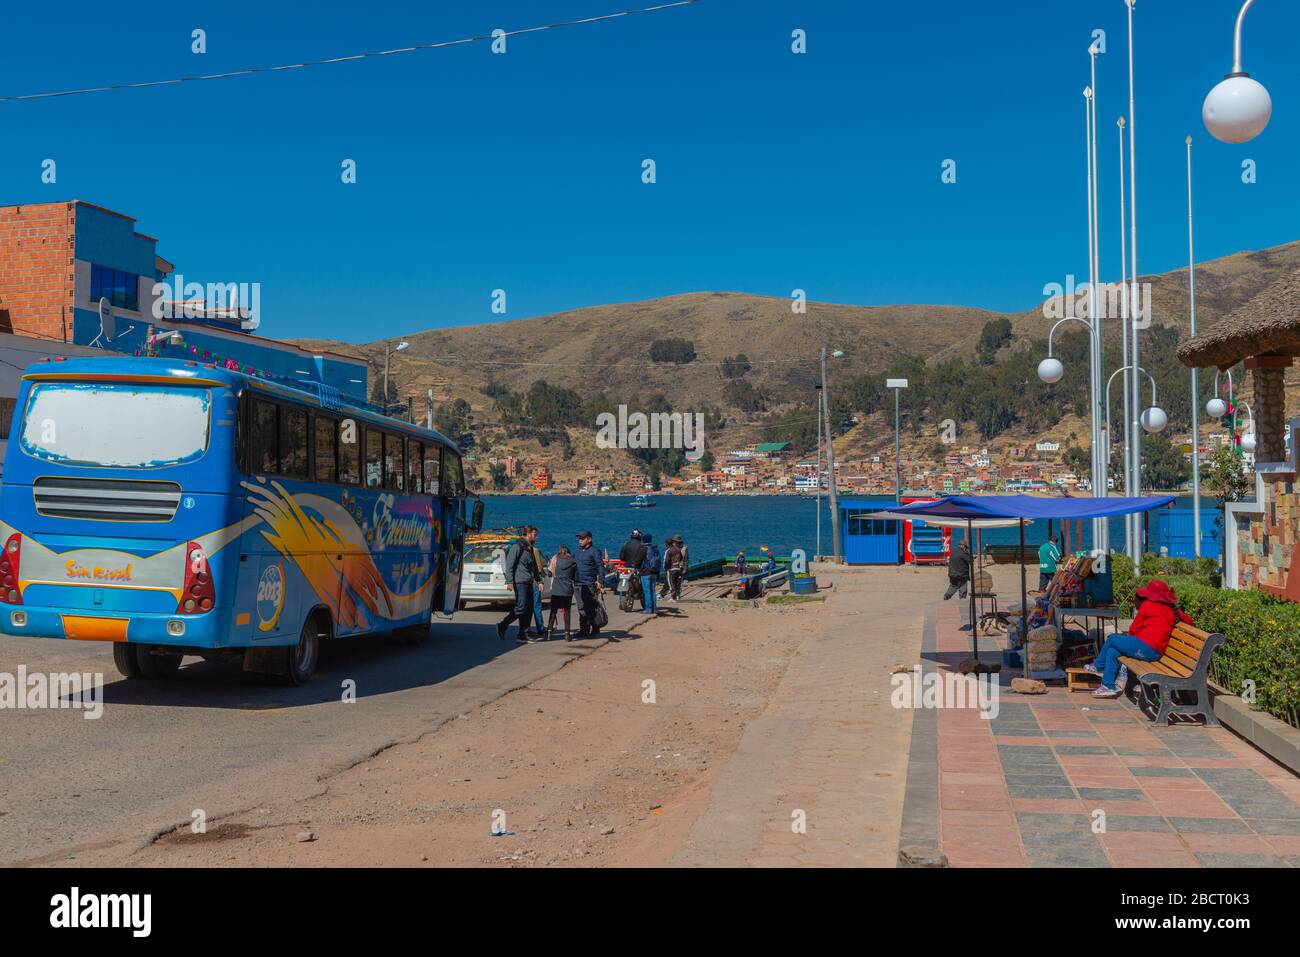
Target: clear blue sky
column 522, row 171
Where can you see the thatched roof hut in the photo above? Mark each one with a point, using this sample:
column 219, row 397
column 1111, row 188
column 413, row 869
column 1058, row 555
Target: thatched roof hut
column 1268, row 324
column 1265, row 334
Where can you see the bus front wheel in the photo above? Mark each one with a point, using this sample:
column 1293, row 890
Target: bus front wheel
column 304, row 655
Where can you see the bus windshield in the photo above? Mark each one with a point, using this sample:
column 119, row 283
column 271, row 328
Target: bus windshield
column 116, row 424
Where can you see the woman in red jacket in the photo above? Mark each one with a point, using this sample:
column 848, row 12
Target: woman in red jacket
column 1147, row 637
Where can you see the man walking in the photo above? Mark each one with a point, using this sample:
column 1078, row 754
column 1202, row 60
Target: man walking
column 1049, row 556
column 649, row 573
column 522, row 576
column 589, row 579
column 958, row 571
column 674, row 567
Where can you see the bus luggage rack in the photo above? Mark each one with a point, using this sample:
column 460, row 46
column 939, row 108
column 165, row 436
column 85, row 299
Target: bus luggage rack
column 106, row 500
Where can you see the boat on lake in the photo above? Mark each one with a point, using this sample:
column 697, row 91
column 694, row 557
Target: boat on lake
column 642, row 501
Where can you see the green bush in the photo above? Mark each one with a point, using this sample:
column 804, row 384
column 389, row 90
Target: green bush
column 1262, row 633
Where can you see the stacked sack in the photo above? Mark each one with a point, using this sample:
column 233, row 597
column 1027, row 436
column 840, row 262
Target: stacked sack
column 1040, row 649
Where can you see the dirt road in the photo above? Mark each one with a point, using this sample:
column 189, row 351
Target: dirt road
column 703, row 737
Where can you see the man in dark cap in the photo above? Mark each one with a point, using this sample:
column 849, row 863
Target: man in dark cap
column 589, row 579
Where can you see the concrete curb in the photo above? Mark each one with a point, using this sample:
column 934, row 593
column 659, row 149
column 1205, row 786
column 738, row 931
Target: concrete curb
column 918, row 841
column 1274, row 737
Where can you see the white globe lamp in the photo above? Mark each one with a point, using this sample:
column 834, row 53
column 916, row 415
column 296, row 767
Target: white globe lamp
column 1216, row 408
column 1237, row 110
column 1154, row 419
column 1050, row 370
column 1248, row 443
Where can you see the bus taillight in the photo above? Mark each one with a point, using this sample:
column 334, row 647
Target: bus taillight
column 199, row 594
column 9, row 570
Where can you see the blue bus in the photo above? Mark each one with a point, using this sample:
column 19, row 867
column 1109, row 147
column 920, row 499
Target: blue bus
column 175, row 508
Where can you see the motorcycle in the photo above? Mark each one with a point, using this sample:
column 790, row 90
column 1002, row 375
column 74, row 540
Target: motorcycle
column 629, row 588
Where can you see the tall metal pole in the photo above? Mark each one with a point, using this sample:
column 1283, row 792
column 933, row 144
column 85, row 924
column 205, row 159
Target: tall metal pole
column 1196, row 392
column 1135, row 312
column 1098, row 481
column 1129, row 531
column 820, row 412
column 1100, row 527
column 898, row 462
column 830, row 465
column 384, row 400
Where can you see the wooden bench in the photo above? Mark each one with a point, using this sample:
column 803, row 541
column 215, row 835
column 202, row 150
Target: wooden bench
column 1183, row 667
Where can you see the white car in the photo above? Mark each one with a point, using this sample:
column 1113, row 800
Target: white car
column 484, row 576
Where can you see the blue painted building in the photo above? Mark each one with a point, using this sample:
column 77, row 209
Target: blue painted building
column 66, row 258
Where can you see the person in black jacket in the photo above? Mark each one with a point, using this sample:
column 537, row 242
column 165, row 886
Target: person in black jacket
column 522, row 576
column 632, row 555
column 590, row 581
column 958, row 571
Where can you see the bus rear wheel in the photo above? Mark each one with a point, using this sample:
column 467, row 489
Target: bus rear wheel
column 139, row 661
column 126, row 659
column 304, row 655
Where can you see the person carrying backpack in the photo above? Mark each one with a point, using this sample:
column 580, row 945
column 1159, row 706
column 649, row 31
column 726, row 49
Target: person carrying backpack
column 522, row 577
column 649, row 573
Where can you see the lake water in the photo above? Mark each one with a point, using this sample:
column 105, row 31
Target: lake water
column 715, row 525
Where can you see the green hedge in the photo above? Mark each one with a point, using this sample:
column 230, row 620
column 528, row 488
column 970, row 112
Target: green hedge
column 1262, row 632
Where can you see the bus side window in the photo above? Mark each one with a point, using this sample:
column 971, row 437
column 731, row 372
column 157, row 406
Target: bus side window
column 432, row 468
column 293, row 442
column 414, row 464
column 262, row 455
column 350, row 453
column 374, row 458
column 453, row 482
column 326, row 447
column 394, row 462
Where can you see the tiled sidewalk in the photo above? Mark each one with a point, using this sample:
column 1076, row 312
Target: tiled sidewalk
column 1023, row 789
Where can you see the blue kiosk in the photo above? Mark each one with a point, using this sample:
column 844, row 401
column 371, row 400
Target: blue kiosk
column 869, row 540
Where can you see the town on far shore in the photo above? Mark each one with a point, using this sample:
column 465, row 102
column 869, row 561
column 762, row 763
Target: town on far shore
column 773, row 468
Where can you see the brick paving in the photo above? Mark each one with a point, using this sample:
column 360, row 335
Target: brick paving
column 1024, row 788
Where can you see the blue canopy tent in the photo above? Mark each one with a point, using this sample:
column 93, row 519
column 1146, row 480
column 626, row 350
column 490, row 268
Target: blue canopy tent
column 1021, row 507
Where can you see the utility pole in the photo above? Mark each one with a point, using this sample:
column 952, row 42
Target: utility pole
column 820, row 413
column 830, row 464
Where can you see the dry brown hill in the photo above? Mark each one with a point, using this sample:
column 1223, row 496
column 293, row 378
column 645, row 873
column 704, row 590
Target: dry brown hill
column 605, row 348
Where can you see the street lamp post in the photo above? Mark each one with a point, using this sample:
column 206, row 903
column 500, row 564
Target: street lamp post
column 821, row 411
column 1196, row 399
column 830, row 459
column 1238, row 108
column 898, row 385
column 1153, row 418
column 1135, row 310
column 1130, row 530
column 401, row 347
column 1100, row 528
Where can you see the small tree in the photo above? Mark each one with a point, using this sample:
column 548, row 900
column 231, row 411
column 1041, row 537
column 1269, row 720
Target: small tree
column 678, row 351
column 735, row 367
column 1223, row 476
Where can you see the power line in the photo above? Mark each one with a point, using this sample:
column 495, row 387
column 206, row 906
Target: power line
column 351, row 57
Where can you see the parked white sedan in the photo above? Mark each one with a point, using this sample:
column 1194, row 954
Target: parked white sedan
column 484, row 577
